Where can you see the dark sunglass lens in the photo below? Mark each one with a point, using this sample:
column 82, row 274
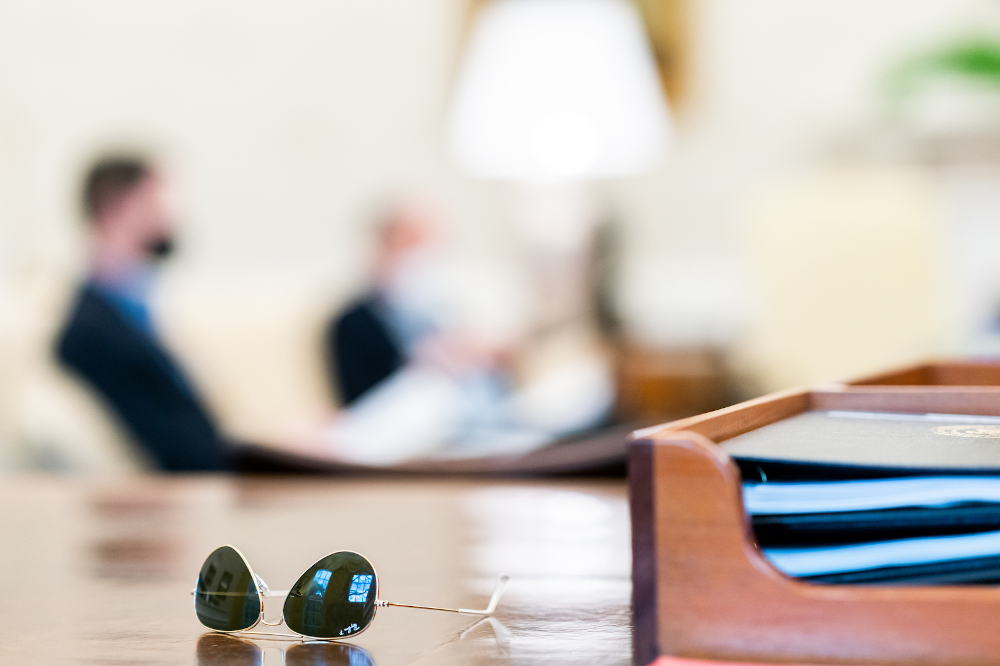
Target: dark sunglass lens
column 335, row 598
column 226, row 597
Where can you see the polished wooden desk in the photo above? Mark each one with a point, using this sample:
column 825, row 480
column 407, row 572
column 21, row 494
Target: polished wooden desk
column 100, row 571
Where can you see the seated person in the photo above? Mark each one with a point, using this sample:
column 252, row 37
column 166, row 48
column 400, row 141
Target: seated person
column 414, row 382
column 109, row 337
column 375, row 336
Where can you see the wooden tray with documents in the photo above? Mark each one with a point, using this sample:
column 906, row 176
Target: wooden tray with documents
column 703, row 589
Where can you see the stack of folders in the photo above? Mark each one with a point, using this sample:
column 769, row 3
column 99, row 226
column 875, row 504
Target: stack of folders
column 876, row 498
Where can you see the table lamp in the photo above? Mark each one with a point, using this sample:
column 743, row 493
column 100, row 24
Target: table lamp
column 552, row 95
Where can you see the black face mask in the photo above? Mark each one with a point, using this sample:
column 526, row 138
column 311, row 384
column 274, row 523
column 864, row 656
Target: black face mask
column 160, row 248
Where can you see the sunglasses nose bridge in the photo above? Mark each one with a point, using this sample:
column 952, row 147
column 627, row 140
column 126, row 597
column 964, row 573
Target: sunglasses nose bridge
column 277, row 622
column 266, row 593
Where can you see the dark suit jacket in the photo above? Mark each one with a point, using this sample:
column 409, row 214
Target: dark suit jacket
column 360, row 350
column 142, row 383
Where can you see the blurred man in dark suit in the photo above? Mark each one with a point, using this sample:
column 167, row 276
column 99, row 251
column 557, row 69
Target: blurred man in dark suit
column 378, row 333
column 110, row 338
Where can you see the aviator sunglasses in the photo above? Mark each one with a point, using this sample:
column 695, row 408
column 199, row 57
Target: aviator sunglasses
column 335, row 598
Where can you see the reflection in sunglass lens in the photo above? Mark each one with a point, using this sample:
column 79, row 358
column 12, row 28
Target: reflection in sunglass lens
column 328, row 654
column 226, row 597
column 334, row 598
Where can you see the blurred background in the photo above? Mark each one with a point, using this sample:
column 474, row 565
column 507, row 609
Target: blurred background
column 813, row 192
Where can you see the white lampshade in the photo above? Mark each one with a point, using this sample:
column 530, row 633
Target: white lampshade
column 558, row 90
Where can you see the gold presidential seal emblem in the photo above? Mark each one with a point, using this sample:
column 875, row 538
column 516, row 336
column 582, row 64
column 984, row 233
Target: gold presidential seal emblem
column 981, row 431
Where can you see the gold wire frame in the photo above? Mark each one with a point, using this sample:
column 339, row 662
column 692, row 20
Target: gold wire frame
column 296, row 636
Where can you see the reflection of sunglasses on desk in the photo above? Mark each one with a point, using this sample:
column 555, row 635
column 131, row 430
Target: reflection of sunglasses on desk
column 220, row 650
column 335, row 598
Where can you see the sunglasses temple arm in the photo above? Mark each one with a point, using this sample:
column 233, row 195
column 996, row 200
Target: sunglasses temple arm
column 497, row 593
column 265, row 592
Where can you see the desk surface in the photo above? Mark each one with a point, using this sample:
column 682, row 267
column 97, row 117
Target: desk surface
column 100, row 571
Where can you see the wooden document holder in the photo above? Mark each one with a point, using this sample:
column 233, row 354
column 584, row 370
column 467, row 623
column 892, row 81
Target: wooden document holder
column 984, row 374
column 702, row 588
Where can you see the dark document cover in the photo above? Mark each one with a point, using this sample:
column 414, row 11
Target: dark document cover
column 841, row 445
